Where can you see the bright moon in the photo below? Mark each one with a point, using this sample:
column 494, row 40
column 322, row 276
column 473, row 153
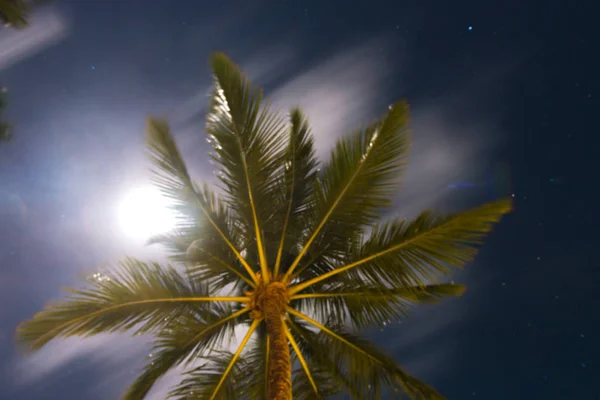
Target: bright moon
column 143, row 212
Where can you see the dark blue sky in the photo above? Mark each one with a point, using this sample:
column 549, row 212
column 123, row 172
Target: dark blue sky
column 507, row 107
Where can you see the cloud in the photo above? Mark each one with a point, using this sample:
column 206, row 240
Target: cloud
column 426, row 335
column 453, row 136
column 46, row 28
column 443, row 152
column 338, row 94
column 169, row 380
column 105, row 349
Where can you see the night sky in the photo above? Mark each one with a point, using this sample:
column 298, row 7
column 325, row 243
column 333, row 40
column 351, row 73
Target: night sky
column 505, row 102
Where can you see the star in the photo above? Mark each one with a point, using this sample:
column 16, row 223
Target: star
column 93, row 67
column 470, row 28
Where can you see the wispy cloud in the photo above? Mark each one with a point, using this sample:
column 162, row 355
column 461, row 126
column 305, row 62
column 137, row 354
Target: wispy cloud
column 339, row 94
column 47, row 27
column 113, row 349
column 346, row 90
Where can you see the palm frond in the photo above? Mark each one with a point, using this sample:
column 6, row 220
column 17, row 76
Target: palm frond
column 367, row 306
column 299, row 177
column 5, row 128
column 330, row 380
column 303, row 363
column 202, row 382
column 197, row 207
column 5, row 132
column 201, row 248
column 247, row 139
column 303, row 388
column 15, row 13
column 139, row 297
column 255, row 359
column 369, row 372
column 401, row 253
column 319, row 262
column 206, row 259
column 418, row 294
column 357, row 184
column 186, row 338
column 221, row 378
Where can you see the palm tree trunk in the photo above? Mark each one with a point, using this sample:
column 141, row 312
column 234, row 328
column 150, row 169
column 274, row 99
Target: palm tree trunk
column 279, row 363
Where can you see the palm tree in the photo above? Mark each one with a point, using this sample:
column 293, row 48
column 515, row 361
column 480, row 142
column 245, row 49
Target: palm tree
column 292, row 249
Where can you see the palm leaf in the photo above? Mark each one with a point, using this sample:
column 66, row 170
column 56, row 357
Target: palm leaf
column 5, row 128
column 401, row 253
column 369, row 372
column 139, row 297
column 5, row 131
column 202, row 382
column 221, row 378
column 323, row 375
column 300, row 174
column 357, row 184
column 247, row 141
column 367, row 306
column 201, row 247
column 303, row 389
column 186, row 338
column 305, row 368
column 14, row 13
column 172, row 177
column 329, row 378
column 256, row 356
column 206, row 260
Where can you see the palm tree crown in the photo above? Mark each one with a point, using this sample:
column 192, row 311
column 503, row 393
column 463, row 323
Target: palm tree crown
column 293, row 249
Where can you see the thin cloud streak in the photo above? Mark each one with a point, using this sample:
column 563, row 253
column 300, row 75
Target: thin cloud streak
column 104, row 348
column 46, row 28
column 337, row 95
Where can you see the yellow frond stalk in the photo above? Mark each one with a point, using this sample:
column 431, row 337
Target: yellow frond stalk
column 329, row 332
column 235, row 357
column 302, row 360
